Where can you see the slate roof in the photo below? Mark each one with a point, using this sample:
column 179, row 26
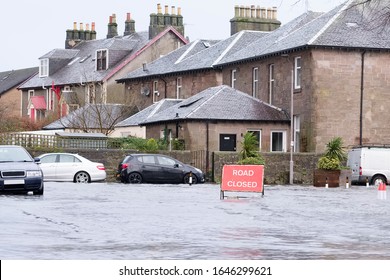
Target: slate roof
column 13, row 78
column 346, row 26
column 77, row 65
column 200, row 54
column 91, row 115
column 220, row 103
column 148, row 112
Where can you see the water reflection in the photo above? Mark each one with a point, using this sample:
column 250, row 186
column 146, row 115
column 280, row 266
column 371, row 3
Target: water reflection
column 115, row 221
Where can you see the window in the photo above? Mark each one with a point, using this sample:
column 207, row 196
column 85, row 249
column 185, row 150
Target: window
column 271, row 83
column 155, row 91
column 234, row 78
column 255, row 81
column 44, row 67
column 101, row 60
column 178, row 87
column 30, row 94
column 50, row 99
column 48, row 159
column 297, row 72
column 68, row 158
column 278, row 141
column 257, row 134
column 297, row 130
column 90, row 97
column 146, row 159
column 165, row 161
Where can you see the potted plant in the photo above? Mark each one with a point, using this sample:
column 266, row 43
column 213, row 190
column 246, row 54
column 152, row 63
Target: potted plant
column 329, row 166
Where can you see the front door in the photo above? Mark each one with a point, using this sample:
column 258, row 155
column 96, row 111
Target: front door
column 227, row 142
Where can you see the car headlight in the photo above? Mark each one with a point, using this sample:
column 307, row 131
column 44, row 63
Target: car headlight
column 34, row 173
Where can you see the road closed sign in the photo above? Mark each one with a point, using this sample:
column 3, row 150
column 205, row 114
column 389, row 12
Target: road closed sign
column 242, row 178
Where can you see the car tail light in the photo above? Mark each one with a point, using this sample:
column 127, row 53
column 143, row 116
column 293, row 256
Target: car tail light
column 125, row 165
column 101, row 167
column 360, row 171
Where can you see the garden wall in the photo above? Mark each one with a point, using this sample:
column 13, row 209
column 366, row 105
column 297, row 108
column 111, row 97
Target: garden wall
column 276, row 167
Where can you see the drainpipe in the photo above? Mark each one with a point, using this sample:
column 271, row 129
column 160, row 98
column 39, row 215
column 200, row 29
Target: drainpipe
column 361, row 100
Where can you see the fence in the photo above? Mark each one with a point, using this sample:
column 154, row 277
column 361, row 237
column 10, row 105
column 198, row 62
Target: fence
column 53, row 141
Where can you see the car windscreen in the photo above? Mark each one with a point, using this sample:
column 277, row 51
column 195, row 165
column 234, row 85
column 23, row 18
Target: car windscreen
column 14, row 154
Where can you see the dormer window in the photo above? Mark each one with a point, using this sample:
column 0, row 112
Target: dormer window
column 101, row 60
column 44, row 67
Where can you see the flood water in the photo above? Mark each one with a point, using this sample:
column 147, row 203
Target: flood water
column 117, row 221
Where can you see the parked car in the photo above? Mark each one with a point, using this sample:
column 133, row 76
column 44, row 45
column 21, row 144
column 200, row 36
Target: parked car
column 156, row 168
column 69, row 167
column 369, row 163
column 19, row 172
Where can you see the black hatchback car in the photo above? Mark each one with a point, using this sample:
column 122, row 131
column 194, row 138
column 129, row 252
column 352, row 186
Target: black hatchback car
column 19, row 172
column 156, row 168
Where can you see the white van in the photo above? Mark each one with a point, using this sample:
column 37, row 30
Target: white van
column 369, row 163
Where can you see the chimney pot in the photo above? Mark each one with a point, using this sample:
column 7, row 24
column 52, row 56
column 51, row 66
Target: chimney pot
column 81, row 26
column 178, row 11
column 166, row 9
column 87, row 26
column 74, row 25
column 173, row 12
column 159, row 8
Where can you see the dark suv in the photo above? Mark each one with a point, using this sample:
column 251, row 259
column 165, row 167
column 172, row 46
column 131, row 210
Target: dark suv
column 19, row 172
column 156, row 168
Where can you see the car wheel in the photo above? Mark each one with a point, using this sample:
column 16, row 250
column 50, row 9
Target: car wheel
column 81, row 177
column 187, row 179
column 134, row 178
column 377, row 179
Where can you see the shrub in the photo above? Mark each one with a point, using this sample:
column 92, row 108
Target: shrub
column 328, row 163
column 259, row 160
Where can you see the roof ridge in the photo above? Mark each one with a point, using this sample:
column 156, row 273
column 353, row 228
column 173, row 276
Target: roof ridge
column 330, row 22
column 187, row 51
column 207, row 100
column 228, row 48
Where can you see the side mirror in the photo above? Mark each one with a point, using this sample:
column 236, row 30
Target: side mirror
column 37, row 160
column 176, row 165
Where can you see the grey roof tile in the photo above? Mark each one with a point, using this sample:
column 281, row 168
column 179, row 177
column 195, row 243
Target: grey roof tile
column 13, row 78
column 220, row 103
column 93, row 116
column 80, row 61
column 148, row 112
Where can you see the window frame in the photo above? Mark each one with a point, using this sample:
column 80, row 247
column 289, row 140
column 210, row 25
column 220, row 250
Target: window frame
column 179, row 85
column 255, row 81
column 297, row 72
column 43, row 67
column 101, row 61
column 297, row 131
column 284, row 141
column 260, row 132
column 155, row 91
column 271, row 82
column 233, row 78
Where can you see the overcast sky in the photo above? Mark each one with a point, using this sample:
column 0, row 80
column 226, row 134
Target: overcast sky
column 30, row 29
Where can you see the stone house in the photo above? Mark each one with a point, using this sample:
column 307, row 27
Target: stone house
column 331, row 68
column 10, row 96
column 85, row 71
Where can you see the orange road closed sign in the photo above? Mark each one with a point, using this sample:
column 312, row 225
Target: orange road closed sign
column 242, row 178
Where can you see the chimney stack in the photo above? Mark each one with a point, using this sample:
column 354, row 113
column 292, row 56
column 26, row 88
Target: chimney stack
column 75, row 36
column 129, row 25
column 112, row 27
column 254, row 18
column 159, row 22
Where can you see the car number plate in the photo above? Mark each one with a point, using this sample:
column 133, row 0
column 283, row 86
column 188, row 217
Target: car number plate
column 14, row 182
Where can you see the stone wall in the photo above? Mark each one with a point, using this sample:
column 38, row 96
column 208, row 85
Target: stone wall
column 276, row 167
